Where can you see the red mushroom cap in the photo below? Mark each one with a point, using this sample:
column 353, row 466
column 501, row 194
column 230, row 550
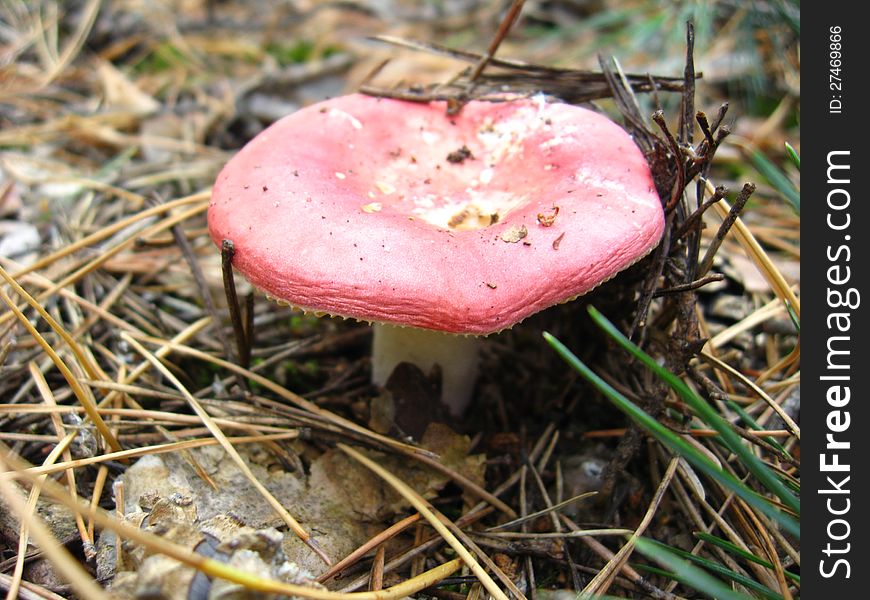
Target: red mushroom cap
column 396, row 212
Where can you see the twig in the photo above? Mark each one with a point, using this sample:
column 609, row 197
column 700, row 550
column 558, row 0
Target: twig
column 243, row 349
column 695, row 218
column 652, row 278
column 688, row 86
column 199, row 278
column 680, row 182
column 725, row 227
column 522, row 79
column 688, row 287
column 504, row 27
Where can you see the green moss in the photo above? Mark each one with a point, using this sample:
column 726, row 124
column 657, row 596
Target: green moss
column 299, row 52
column 163, row 57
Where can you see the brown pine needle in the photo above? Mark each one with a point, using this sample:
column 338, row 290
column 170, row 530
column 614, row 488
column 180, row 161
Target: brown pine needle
column 769, row 549
column 108, row 253
column 90, row 367
column 466, row 541
column 783, row 363
column 480, row 510
column 377, row 574
column 76, row 43
column 602, row 581
column 469, row 486
column 210, row 567
column 27, row 516
column 82, row 395
column 758, row 256
column 194, row 404
column 30, row 591
column 535, row 515
column 61, row 433
column 768, row 311
column 181, row 337
column 721, row 365
column 420, row 454
column 288, row 395
column 99, row 485
column 135, row 413
column 110, row 230
column 98, row 311
column 67, row 566
column 518, row 535
column 148, row 450
column 376, row 541
column 428, row 513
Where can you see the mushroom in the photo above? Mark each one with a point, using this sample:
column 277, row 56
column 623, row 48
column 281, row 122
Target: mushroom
column 435, row 228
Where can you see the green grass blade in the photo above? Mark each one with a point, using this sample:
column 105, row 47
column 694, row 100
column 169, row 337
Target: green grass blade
column 737, row 550
column 672, row 440
column 752, row 424
column 707, row 413
column 792, row 17
column 688, row 574
column 671, row 575
column 776, row 178
column 793, row 316
column 793, row 155
column 722, row 571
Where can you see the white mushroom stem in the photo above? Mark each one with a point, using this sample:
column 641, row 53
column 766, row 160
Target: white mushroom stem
column 456, row 355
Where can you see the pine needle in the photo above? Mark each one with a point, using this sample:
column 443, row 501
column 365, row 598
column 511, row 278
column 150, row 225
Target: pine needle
column 82, row 395
column 211, row 567
column 758, row 256
column 194, row 404
column 430, row 514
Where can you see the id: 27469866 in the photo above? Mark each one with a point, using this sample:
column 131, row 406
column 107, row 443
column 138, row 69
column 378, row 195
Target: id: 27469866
column 835, row 65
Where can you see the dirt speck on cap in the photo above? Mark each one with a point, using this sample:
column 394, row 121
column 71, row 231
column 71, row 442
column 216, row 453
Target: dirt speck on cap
column 514, row 234
column 459, row 156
